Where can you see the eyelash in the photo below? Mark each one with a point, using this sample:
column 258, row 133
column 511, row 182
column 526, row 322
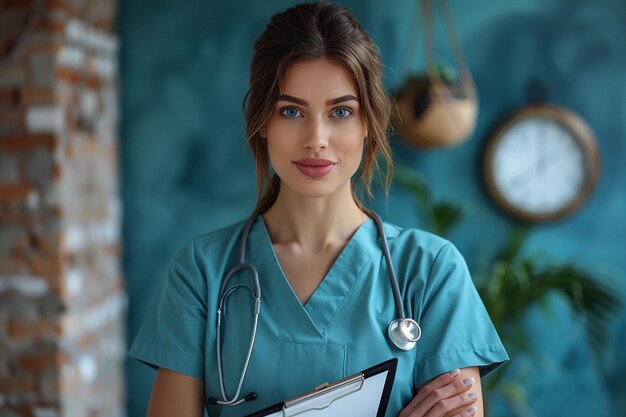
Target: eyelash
column 348, row 109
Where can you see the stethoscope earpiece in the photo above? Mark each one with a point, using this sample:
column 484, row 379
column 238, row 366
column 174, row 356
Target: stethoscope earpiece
column 404, row 333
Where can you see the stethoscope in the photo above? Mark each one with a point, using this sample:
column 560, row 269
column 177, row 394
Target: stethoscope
column 403, row 332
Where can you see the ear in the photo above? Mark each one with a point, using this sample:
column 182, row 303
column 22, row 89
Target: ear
column 263, row 132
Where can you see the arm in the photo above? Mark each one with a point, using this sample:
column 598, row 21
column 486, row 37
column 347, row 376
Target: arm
column 448, row 395
column 176, row 394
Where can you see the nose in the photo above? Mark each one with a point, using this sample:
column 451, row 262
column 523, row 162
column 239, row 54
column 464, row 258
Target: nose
column 317, row 137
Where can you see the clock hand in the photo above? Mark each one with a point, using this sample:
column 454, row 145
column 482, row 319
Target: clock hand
column 534, row 166
column 542, row 165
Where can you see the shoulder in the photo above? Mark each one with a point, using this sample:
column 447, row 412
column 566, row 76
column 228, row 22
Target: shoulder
column 423, row 259
column 224, row 236
column 416, row 242
column 210, row 251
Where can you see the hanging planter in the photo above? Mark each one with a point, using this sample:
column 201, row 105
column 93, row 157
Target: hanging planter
column 437, row 108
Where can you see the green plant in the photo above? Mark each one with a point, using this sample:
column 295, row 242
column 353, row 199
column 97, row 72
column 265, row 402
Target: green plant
column 440, row 216
column 513, row 283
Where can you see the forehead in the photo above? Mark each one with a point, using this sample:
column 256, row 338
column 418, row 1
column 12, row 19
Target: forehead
column 319, row 78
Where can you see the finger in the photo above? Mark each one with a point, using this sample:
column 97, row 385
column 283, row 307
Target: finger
column 467, row 413
column 447, row 396
column 427, row 389
column 460, row 401
column 434, row 384
column 430, row 397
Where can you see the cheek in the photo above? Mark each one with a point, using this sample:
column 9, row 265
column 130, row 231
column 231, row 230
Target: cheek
column 279, row 143
column 274, row 151
column 353, row 149
column 280, row 150
column 278, row 138
column 355, row 137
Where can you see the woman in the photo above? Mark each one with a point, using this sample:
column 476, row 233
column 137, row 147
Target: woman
column 317, row 113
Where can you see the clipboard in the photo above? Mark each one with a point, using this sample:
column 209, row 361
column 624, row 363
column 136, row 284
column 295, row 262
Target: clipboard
column 364, row 394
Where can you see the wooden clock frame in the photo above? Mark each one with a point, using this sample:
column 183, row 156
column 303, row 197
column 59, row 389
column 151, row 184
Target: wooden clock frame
column 580, row 132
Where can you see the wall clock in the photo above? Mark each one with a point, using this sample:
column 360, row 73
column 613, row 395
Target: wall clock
column 541, row 163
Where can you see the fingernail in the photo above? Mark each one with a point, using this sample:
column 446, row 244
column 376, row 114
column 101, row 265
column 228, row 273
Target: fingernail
column 454, row 373
column 472, row 395
column 472, row 411
column 469, row 381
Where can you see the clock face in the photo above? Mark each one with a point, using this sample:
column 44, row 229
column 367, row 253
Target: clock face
column 540, row 166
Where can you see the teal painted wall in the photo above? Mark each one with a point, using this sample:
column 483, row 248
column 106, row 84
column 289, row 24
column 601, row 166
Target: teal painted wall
column 186, row 170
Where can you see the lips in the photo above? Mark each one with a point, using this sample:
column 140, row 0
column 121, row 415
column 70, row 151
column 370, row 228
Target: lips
column 314, row 167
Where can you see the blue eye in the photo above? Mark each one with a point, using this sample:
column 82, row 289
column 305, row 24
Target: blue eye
column 290, row 112
column 342, row 112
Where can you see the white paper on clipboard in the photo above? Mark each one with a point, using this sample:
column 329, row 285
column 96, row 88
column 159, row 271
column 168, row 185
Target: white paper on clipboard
column 341, row 403
column 359, row 395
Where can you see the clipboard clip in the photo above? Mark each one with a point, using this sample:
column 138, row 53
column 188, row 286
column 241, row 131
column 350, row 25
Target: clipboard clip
column 315, row 401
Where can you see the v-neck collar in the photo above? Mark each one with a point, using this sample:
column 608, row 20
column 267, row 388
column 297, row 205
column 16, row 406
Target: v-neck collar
column 312, row 319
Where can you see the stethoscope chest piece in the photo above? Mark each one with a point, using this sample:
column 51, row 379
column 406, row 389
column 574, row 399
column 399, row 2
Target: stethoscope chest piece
column 404, row 333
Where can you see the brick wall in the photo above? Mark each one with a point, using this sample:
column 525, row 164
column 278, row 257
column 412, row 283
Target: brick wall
column 62, row 299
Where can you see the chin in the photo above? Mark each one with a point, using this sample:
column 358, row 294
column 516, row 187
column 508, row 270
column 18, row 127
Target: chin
column 313, row 188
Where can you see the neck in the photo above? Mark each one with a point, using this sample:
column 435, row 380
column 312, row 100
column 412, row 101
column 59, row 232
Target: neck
column 313, row 223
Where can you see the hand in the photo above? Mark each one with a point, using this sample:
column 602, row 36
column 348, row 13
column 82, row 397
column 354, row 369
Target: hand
column 443, row 395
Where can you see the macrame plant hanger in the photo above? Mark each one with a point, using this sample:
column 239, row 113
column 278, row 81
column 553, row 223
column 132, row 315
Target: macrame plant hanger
column 430, row 112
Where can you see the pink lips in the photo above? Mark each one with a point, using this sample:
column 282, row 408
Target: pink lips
column 314, row 167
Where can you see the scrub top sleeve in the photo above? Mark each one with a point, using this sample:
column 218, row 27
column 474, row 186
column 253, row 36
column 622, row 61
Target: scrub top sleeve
column 457, row 330
column 173, row 332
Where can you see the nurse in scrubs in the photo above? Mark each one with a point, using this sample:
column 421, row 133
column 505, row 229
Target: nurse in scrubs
column 316, row 117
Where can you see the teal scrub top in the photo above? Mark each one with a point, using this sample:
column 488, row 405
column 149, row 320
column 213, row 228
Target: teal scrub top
column 341, row 330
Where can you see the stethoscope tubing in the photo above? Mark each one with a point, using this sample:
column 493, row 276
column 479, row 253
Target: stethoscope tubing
column 222, row 297
column 222, row 307
column 392, row 272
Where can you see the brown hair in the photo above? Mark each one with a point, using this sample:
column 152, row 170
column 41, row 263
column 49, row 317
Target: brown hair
column 311, row 31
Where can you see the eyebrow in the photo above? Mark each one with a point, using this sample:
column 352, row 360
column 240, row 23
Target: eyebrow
column 296, row 100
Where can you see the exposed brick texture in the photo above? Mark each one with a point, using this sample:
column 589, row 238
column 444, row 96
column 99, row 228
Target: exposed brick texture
column 62, row 300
